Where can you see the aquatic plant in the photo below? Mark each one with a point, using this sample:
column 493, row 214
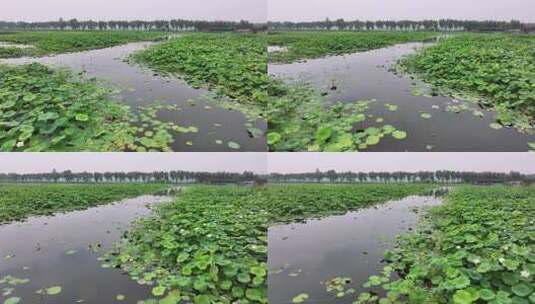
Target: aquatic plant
column 44, row 109
column 495, row 70
column 210, row 244
column 301, row 120
column 305, row 45
column 19, row 201
column 56, row 42
column 478, row 247
column 11, row 52
column 231, row 65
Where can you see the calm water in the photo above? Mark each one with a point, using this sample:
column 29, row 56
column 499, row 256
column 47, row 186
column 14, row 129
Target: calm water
column 39, row 248
column 302, row 256
column 365, row 76
column 142, row 87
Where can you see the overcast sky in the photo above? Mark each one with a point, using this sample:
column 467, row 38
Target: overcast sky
column 46, row 10
column 409, row 162
column 262, row 162
column 100, row 162
column 314, row 10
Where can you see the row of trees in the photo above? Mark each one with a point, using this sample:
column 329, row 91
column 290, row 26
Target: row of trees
column 401, row 25
column 247, row 177
column 397, row 177
column 138, row 25
column 129, row 177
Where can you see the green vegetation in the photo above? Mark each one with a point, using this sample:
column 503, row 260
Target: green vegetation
column 302, row 45
column 47, row 43
column 50, row 110
column 301, row 120
column 19, row 201
column 231, row 65
column 11, row 52
column 478, row 247
column 210, row 244
column 43, row 109
column 495, row 70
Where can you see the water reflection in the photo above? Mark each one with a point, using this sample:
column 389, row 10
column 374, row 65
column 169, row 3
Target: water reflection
column 62, row 251
column 303, row 256
column 367, row 76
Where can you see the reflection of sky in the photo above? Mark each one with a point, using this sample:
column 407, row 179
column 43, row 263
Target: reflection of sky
column 39, row 10
column 313, row 10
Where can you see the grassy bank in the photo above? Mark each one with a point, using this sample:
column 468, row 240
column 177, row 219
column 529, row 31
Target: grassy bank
column 495, row 70
column 19, row 201
column 307, row 45
column 210, row 244
column 56, row 42
column 478, row 247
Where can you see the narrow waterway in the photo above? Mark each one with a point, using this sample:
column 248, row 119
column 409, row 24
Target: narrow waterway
column 368, row 76
column 63, row 250
column 303, row 256
column 142, row 87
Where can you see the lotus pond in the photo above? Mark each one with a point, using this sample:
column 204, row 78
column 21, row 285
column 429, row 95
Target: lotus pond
column 20, row 201
column 374, row 100
column 55, row 259
column 210, row 244
column 325, row 260
column 478, row 247
column 129, row 102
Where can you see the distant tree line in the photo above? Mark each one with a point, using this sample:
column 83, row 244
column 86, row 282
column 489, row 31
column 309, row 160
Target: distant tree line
column 401, row 25
column 331, row 176
column 133, row 25
column 131, row 177
column 401, row 177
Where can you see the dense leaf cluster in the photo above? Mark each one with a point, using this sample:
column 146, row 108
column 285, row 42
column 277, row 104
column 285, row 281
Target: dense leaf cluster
column 498, row 69
column 479, row 247
column 232, row 65
column 210, row 244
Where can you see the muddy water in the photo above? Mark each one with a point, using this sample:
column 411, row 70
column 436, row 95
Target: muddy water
column 366, row 76
column 302, row 256
column 37, row 250
column 142, row 87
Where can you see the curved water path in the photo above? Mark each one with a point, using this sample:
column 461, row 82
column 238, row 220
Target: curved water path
column 366, row 76
column 62, row 250
column 302, row 256
column 143, row 87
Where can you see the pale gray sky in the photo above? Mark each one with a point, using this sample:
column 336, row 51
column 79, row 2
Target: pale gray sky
column 266, row 162
column 314, row 10
column 409, row 162
column 46, row 10
column 144, row 162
